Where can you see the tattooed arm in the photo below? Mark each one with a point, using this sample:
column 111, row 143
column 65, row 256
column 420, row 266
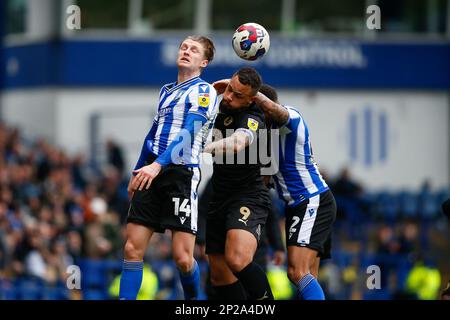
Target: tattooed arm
column 277, row 113
column 233, row 144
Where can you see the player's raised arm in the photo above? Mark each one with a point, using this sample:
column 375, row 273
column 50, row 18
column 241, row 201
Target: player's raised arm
column 233, row 144
column 221, row 85
column 274, row 110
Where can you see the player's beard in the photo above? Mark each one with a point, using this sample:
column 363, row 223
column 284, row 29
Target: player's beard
column 225, row 107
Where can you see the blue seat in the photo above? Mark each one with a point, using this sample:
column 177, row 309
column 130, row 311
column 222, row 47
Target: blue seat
column 113, row 266
column 165, row 271
column 429, row 206
column 93, row 274
column 367, row 259
column 369, row 201
column 408, row 204
column 388, row 206
column 59, row 292
column 93, row 294
column 403, row 270
column 349, row 206
column 377, row 294
column 342, row 259
column 29, row 288
column 7, row 290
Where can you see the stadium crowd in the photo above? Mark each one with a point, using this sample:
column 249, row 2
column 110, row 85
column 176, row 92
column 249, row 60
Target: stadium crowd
column 58, row 210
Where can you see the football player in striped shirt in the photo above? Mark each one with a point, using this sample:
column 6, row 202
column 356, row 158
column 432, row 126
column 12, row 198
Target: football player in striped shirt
column 310, row 204
column 163, row 187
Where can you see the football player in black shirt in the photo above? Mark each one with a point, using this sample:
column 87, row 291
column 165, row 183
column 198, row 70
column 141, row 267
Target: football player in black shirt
column 241, row 202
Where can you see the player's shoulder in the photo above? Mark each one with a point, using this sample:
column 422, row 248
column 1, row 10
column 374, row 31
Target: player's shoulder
column 255, row 111
column 295, row 118
column 293, row 112
column 204, row 87
column 252, row 117
column 291, row 108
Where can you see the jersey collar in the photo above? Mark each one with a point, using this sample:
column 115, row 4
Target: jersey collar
column 174, row 86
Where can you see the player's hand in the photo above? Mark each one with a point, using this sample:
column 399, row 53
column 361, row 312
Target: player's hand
column 209, row 148
column 261, row 99
column 221, row 85
column 279, row 257
column 130, row 188
column 145, row 175
column 267, row 180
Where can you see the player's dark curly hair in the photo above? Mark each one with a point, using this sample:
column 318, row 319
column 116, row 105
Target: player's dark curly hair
column 272, row 94
column 269, row 92
column 249, row 76
column 207, row 44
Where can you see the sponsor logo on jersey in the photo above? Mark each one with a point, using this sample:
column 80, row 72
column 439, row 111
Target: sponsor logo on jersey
column 203, row 100
column 203, row 96
column 252, row 124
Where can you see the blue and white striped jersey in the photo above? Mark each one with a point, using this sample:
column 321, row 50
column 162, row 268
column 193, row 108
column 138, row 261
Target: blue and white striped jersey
column 298, row 177
column 176, row 101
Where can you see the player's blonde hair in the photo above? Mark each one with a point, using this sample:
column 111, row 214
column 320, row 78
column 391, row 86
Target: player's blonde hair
column 207, row 44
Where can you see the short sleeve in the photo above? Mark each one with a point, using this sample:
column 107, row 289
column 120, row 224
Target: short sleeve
column 293, row 120
column 251, row 124
column 203, row 101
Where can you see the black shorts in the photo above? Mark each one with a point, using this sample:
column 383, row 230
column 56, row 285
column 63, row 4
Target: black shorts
column 309, row 224
column 170, row 203
column 239, row 212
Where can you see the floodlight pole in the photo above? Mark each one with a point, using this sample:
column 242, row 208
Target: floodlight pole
column 135, row 8
column 202, row 17
column 288, row 8
column 448, row 19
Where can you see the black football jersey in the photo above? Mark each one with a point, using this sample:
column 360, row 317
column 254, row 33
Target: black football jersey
column 241, row 172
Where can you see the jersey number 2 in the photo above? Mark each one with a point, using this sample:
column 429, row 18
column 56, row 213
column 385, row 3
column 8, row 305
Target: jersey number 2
column 296, row 221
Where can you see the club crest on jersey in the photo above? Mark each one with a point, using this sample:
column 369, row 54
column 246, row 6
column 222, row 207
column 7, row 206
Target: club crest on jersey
column 252, row 124
column 203, row 100
column 228, row 120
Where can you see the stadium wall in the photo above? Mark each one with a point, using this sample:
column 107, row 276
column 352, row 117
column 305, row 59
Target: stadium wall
column 34, row 111
column 291, row 63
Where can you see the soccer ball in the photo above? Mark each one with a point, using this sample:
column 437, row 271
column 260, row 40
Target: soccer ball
column 251, row 41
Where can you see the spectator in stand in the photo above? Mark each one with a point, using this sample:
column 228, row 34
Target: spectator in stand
column 115, row 156
column 348, row 194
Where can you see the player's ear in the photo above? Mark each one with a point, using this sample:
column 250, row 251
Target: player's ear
column 204, row 63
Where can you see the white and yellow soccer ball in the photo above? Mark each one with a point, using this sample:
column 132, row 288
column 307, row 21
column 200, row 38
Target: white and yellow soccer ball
column 251, row 41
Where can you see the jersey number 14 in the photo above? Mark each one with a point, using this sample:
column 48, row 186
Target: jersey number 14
column 184, row 207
